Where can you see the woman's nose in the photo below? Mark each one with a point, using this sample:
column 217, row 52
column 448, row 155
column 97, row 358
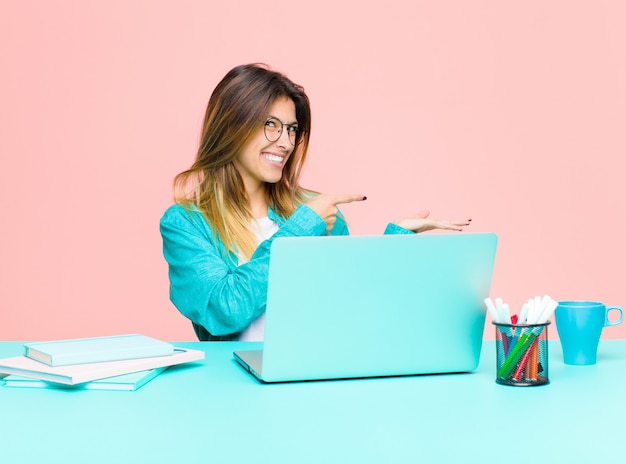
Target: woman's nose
column 283, row 139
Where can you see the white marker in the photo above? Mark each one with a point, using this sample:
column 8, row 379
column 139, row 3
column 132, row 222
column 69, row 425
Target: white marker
column 506, row 313
column 500, row 310
column 523, row 314
column 547, row 313
column 492, row 310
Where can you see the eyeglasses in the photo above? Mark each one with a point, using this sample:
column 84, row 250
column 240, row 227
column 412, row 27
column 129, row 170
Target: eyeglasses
column 274, row 128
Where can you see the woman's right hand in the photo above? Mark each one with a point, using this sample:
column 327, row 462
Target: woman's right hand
column 326, row 206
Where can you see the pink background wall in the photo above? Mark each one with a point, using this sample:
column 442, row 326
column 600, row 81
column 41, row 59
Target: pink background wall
column 511, row 112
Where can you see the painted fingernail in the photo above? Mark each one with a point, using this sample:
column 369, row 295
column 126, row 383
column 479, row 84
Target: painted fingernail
column 365, row 198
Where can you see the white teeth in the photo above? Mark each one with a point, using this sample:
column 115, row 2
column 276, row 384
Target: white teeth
column 275, row 158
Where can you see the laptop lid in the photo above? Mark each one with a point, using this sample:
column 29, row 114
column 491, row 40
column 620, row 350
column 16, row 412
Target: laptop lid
column 365, row 306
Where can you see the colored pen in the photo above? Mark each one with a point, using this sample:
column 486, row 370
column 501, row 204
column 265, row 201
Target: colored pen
column 517, row 374
column 512, row 358
column 523, row 343
column 533, row 362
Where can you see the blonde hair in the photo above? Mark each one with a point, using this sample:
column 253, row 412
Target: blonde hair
column 237, row 109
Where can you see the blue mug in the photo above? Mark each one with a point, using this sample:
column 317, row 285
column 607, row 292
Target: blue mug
column 579, row 325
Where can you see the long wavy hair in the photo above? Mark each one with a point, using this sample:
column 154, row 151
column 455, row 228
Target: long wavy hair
column 237, row 109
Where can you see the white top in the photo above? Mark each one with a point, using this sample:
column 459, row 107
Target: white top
column 264, row 228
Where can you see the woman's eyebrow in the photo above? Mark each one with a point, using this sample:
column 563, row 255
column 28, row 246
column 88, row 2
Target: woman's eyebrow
column 271, row 116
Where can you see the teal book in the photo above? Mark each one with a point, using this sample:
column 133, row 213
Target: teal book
column 127, row 382
column 79, row 373
column 98, row 349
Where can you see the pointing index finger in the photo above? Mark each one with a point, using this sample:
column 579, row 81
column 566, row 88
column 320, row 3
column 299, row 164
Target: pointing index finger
column 348, row 198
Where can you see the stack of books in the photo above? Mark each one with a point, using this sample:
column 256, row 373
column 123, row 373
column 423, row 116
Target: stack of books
column 121, row 362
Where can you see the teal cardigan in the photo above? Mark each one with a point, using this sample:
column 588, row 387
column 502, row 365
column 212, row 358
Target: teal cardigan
column 209, row 287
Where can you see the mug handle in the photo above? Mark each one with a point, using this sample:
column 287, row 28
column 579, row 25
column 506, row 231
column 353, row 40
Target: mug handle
column 607, row 322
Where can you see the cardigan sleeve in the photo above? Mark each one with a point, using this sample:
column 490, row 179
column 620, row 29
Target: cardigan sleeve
column 206, row 285
column 396, row 229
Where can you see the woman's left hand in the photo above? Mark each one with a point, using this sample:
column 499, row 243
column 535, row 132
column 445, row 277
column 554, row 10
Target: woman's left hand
column 421, row 222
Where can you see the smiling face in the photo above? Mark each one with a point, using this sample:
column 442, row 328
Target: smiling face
column 261, row 161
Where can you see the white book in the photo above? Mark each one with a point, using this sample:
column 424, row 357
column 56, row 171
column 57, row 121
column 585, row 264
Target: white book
column 126, row 382
column 79, row 373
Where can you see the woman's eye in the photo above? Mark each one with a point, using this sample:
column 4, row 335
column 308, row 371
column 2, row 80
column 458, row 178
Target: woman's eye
column 292, row 129
column 270, row 123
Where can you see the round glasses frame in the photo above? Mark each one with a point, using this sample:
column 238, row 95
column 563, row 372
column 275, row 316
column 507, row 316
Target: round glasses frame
column 273, row 129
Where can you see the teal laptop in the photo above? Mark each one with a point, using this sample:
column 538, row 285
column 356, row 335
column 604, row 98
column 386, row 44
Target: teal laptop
column 371, row 306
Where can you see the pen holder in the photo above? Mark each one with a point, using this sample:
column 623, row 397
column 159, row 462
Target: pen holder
column 522, row 354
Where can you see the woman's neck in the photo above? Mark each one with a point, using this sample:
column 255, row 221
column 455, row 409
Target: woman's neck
column 258, row 201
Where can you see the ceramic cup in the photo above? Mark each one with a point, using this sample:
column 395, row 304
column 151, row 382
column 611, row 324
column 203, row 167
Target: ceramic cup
column 579, row 325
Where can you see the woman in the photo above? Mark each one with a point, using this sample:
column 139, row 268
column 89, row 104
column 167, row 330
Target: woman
column 240, row 194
